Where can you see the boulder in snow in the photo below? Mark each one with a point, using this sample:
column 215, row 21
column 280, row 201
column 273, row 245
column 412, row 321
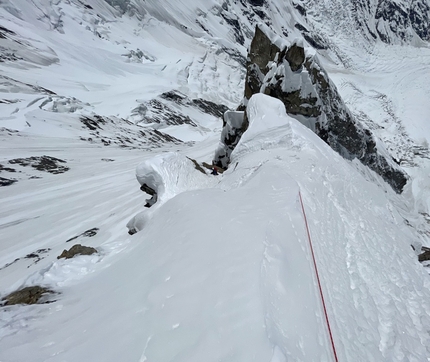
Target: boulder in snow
column 77, row 249
column 425, row 255
column 29, row 295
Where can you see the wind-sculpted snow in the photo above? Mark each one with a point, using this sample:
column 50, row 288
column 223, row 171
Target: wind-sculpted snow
column 234, row 125
column 165, row 176
column 359, row 252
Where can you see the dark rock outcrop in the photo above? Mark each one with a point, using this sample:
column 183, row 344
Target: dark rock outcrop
column 402, row 19
column 203, row 105
column 286, row 72
column 419, row 15
column 197, row 165
column 114, row 131
column 425, row 254
column 77, row 249
column 7, row 181
column 29, row 295
column 234, row 126
column 42, row 163
column 149, row 191
column 87, row 233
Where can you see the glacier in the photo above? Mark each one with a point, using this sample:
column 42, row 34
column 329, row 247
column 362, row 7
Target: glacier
column 221, row 267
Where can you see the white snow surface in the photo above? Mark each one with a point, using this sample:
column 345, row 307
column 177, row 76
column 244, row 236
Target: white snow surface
column 221, row 268
column 225, row 272
column 165, row 174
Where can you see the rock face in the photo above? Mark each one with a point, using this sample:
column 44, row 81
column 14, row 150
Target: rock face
column 419, row 15
column 284, row 71
column 235, row 124
column 391, row 21
column 425, row 255
column 402, row 19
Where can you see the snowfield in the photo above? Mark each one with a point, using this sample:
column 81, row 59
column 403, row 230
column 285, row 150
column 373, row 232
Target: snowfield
column 225, row 267
column 95, row 103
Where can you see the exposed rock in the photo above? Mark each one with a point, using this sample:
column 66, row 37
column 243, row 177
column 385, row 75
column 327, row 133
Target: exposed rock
column 300, row 9
column 88, row 233
column 204, row 105
column 392, row 17
column 10, row 263
column 18, row 86
column 36, row 256
column 124, row 133
column 419, row 16
column 261, row 51
column 93, row 123
column 233, row 21
column 174, row 96
column 155, row 111
column 138, row 56
column 211, row 167
column 150, row 191
column 295, row 56
column 77, row 249
column 7, row 181
column 425, row 255
column 315, row 40
column 7, row 169
column 4, row 31
column 235, row 124
column 28, row 295
column 121, row 5
column 234, row 54
column 284, row 71
column 42, row 163
column 209, row 107
column 256, row 2
column 197, row 166
column 391, row 20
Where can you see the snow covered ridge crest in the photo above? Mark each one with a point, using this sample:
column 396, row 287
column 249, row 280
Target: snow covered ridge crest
column 286, row 71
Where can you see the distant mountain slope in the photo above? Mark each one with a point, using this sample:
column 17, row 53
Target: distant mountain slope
column 392, row 21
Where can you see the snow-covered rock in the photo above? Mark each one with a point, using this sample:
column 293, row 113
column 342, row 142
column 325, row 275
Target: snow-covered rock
column 285, row 71
column 163, row 177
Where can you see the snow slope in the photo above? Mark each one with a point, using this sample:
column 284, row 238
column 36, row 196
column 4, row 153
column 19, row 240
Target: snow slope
column 231, row 276
column 65, row 60
column 221, row 269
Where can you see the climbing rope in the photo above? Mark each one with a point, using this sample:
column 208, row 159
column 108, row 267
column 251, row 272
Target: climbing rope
column 318, row 279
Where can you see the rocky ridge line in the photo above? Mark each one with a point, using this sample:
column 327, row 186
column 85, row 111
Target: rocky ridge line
column 285, row 71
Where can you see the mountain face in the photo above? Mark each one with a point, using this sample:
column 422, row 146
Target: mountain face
column 390, row 21
column 403, row 19
column 285, row 72
column 326, row 134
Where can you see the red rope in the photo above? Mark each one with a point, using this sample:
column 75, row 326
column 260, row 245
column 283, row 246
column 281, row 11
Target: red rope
column 318, row 278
